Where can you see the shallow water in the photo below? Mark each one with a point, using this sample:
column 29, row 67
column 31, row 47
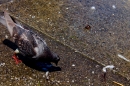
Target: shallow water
column 66, row 20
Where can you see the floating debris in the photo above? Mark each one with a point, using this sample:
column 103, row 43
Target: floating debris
column 88, row 27
column 106, row 67
column 122, row 57
column 105, row 70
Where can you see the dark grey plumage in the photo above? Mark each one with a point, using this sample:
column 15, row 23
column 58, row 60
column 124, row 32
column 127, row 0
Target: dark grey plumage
column 29, row 43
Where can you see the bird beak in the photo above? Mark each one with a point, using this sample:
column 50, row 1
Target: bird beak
column 56, row 63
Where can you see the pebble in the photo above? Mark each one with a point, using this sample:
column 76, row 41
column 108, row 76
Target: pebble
column 93, row 8
column 6, row 36
column 88, row 27
column 73, row 65
column 92, row 72
column 113, row 6
column 2, row 64
column 67, row 8
column 33, row 16
column 72, row 80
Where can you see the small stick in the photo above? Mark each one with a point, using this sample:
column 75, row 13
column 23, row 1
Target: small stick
column 118, row 83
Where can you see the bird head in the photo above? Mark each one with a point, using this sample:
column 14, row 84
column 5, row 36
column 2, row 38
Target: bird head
column 56, row 58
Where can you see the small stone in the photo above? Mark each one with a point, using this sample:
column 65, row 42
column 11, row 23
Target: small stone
column 88, row 27
column 2, row 64
column 113, row 6
column 72, row 80
column 33, row 16
column 67, row 8
column 92, row 72
column 93, row 8
column 58, row 81
column 6, row 36
column 73, row 65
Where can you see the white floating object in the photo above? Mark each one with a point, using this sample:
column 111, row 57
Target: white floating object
column 122, row 57
column 108, row 66
column 93, row 8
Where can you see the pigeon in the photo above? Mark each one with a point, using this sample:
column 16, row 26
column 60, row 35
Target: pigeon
column 29, row 43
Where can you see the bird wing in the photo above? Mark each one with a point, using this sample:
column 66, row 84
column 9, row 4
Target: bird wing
column 29, row 43
column 9, row 22
column 22, row 37
column 24, row 40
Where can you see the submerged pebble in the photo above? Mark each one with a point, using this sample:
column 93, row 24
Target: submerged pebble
column 93, row 8
column 2, row 64
column 73, row 65
column 113, row 6
column 88, row 27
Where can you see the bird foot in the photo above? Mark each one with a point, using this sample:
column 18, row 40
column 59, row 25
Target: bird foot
column 47, row 75
column 17, row 61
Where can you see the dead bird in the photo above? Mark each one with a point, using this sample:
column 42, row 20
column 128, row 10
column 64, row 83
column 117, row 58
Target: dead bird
column 29, row 43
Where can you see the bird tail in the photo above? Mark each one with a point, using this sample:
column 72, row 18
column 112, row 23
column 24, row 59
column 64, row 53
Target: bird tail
column 10, row 23
column 2, row 19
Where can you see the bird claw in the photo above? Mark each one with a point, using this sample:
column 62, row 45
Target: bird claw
column 47, row 76
column 17, row 61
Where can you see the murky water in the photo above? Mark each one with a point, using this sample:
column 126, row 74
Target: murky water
column 65, row 20
column 109, row 33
